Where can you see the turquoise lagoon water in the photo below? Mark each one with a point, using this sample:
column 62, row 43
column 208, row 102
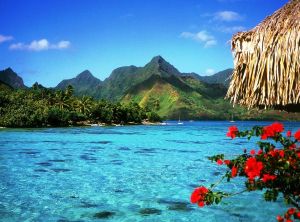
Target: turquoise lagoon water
column 130, row 173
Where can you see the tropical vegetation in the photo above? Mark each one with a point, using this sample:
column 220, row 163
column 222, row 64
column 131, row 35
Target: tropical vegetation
column 40, row 107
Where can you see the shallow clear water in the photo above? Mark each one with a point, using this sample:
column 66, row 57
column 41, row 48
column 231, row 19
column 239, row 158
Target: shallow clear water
column 140, row 173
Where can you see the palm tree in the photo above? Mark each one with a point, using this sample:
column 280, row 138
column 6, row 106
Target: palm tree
column 61, row 100
column 84, row 105
column 69, row 91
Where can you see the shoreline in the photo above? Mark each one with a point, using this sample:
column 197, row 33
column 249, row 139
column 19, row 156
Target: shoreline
column 85, row 124
column 144, row 123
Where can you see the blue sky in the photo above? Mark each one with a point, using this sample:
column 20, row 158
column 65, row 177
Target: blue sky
column 51, row 40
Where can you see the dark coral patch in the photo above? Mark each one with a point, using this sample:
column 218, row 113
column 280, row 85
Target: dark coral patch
column 104, row 214
column 60, row 170
column 149, row 211
column 45, row 164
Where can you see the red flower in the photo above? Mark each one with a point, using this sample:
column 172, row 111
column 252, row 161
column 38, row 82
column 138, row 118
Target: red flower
column 264, row 136
column 227, row 162
column 232, row 131
column 281, row 153
column 298, row 215
column 267, row 177
column 198, row 196
column 289, row 133
column 201, row 204
column 297, row 135
column 291, row 211
column 234, row 171
column 272, row 130
column 279, row 218
column 252, row 152
column 277, row 127
column 276, row 152
column 259, row 152
column 219, row 162
column 253, row 168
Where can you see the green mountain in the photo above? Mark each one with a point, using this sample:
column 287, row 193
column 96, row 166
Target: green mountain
column 124, row 78
column 157, row 86
column 4, row 86
column 123, row 82
column 160, row 87
column 171, row 94
column 120, row 80
column 10, row 78
column 84, row 83
column 222, row 77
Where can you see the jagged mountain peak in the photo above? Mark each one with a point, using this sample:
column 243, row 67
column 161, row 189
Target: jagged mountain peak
column 124, row 70
column 8, row 70
column 11, row 78
column 158, row 59
column 85, row 74
column 83, row 83
column 158, row 65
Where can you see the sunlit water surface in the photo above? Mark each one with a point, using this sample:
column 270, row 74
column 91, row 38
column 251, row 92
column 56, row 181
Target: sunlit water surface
column 129, row 173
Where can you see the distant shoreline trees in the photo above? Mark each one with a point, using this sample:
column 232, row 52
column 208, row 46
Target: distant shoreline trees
column 42, row 107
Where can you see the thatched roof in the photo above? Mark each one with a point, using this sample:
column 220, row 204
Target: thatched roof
column 267, row 61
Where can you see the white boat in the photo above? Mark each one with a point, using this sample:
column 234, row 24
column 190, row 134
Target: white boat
column 179, row 122
column 95, row 124
column 232, row 121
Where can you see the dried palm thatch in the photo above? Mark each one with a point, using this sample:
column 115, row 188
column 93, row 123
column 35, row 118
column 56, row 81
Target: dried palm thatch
column 267, row 61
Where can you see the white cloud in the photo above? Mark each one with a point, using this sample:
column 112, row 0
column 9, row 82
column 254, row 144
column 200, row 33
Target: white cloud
column 40, row 45
column 5, row 38
column 202, row 36
column 62, row 45
column 210, row 43
column 231, row 29
column 16, row 46
column 227, row 16
column 210, row 71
